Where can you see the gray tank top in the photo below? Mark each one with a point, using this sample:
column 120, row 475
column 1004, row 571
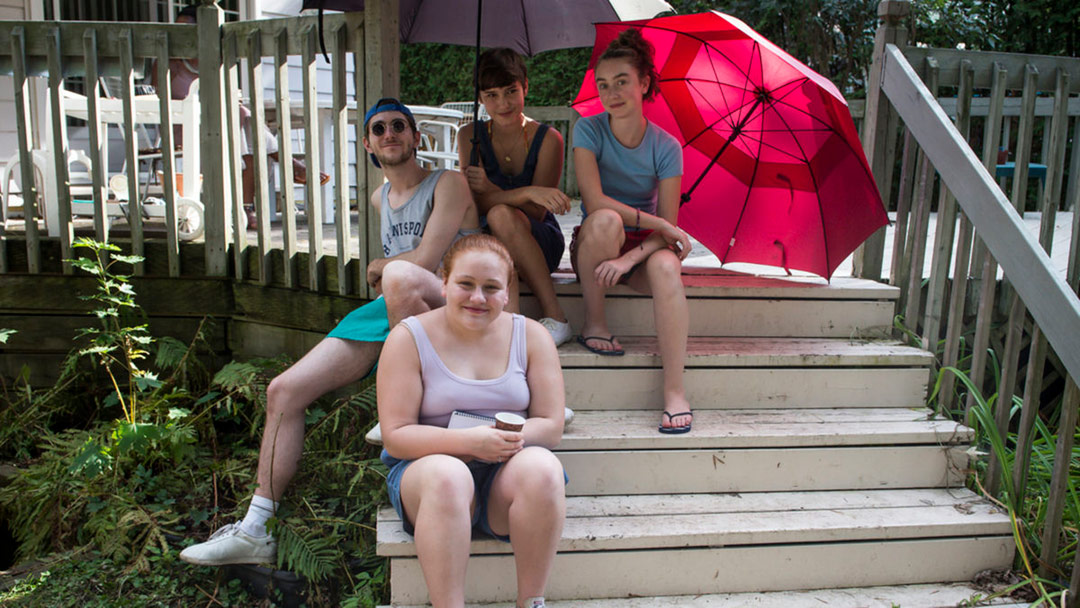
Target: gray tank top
column 403, row 228
column 445, row 391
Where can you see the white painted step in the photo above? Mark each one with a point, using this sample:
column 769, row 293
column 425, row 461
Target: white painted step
column 674, row 471
column 617, row 523
column 904, row 596
column 752, row 372
column 644, row 351
column 756, row 428
column 710, row 570
column 633, row 316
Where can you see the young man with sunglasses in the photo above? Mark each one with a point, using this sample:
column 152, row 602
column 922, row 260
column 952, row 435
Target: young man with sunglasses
column 422, row 213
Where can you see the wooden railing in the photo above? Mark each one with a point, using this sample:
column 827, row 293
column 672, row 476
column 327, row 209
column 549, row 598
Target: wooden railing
column 990, row 235
column 38, row 53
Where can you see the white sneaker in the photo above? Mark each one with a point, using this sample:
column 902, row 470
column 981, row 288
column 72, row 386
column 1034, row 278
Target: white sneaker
column 568, row 416
column 560, row 332
column 231, row 545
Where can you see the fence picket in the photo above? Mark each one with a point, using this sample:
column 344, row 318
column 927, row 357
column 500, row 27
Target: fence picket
column 1059, row 480
column 21, row 86
column 93, row 125
column 131, row 148
column 231, row 63
column 898, row 270
column 341, row 160
column 62, row 214
column 168, row 166
column 313, row 190
column 257, row 156
column 287, row 195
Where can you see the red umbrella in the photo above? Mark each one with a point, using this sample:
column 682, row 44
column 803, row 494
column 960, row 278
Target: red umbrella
column 773, row 169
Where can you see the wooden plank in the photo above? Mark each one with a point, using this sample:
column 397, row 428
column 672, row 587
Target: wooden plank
column 93, row 126
column 254, row 339
column 942, row 595
column 733, row 429
column 879, row 127
column 168, row 163
column 131, row 149
column 800, row 524
column 285, row 166
column 1014, row 63
column 762, row 470
column 955, row 315
column 1029, row 411
column 1054, row 306
column 946, row 224
column 231, row 61
column 588, row 575
column 289, row 308
column 342, row 229
column 703, row 282
column 921, row 224
column 23, row 126
column 269, row 29
column 183, row 42
column 898, row 268
column 313, row 190
column 755, row 352
column 991, row 143
column 1024, row 135
column 1054, row 159
column 213, row 145
column 749, row 387
column 366, row 219
column 257, row 138
column 1059, row 479
column 777, row 318
column 166, row 296
column 57, row 333
column 1010, row 363
column 62, row 218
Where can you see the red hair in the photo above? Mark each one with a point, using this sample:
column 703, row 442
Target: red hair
column 477, row 242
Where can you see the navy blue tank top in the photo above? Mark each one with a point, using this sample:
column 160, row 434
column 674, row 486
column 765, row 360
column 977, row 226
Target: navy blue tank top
column 491, row 164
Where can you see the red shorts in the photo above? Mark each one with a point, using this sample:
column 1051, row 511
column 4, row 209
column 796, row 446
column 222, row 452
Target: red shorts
column 633, row 239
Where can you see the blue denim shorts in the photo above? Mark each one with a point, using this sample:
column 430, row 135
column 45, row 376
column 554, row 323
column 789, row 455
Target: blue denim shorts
column 483, row 474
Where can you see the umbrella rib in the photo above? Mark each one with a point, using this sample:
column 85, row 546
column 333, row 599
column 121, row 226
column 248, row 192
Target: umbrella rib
column 525, row 21
column 699, row 39
column 821, row 211
column 746, row 201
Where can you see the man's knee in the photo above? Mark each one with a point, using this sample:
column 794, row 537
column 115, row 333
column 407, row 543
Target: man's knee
column 403, row 280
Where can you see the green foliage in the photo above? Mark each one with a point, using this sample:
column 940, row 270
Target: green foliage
column 118, row 480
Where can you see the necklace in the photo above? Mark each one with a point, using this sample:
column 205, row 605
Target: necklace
column 524, row 140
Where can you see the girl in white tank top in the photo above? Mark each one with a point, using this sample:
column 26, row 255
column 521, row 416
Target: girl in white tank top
column 470, row 355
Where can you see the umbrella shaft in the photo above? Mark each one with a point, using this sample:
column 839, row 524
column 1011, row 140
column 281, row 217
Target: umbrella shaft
column 734, row 133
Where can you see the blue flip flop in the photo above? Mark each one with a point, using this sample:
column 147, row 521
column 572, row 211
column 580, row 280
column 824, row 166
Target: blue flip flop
column 676, row 430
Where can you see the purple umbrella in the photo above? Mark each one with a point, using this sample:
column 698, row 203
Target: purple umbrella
column 527, row 26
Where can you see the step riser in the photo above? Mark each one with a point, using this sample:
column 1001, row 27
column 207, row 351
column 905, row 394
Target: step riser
column 775, row 318
column 762, row 470
column 730, row 388
column 723, row 570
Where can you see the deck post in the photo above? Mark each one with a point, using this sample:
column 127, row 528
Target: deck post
column 381, row 61
column 213, row 145
column 879, row 130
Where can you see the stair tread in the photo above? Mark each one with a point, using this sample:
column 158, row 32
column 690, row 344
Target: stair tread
column 762, row 428
column 651, row 522
column 643, row 351
column 716, row 283
column 946, row 595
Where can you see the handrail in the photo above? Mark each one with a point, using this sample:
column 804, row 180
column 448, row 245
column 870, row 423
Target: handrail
column 1052, row 303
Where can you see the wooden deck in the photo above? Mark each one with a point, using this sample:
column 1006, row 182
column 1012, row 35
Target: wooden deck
column 700, row 257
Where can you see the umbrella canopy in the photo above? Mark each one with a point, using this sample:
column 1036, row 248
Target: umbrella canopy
column 527, row 26
column 773, row 169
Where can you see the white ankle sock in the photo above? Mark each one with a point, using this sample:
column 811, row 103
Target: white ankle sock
column 260, row 510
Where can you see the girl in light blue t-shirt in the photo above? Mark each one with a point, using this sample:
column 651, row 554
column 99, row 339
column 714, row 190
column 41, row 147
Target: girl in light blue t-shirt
column 629, row 173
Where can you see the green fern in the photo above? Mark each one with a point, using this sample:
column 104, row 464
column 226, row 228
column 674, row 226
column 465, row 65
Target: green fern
column 312, row 554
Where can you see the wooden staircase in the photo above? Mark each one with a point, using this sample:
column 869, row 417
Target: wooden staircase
column 813, row 476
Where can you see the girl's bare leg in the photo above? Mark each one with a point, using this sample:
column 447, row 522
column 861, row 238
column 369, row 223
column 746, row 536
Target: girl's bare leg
column 599, row 239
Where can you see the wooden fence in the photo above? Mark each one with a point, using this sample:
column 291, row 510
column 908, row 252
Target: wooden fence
column 902, row 107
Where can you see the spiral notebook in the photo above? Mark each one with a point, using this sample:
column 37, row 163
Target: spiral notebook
column 464, row 420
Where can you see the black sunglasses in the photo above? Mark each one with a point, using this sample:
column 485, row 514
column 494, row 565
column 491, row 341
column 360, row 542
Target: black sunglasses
column 379, row 128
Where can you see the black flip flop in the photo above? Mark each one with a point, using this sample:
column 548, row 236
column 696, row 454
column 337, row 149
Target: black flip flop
column 584, row 341
column 676, row 430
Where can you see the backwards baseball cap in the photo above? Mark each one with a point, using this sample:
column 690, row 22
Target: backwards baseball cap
column 387, row 104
